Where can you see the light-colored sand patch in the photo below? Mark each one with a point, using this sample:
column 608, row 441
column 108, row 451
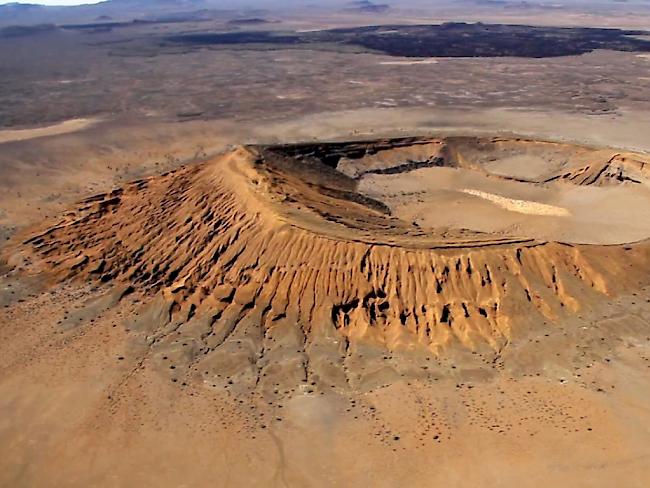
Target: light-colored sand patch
column 520, row 206
column 290, row 96
column 644, row 56
column 409, row 63
column 640, row 37
column 72, row 125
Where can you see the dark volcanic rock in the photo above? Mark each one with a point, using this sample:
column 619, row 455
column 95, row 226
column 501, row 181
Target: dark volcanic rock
column 445, row 40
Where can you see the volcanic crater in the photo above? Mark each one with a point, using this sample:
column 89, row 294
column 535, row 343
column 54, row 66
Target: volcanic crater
column 347, row 265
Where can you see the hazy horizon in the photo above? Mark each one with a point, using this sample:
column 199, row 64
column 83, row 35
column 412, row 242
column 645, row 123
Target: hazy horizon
column 51, row 2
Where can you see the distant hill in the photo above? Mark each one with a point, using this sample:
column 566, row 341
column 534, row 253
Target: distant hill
column 368, row 7
column 114, row 10
column 126, row 10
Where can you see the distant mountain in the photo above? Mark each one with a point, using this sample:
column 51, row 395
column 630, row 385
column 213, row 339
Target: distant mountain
column 368, row 7
column 128, row 10
column 13, row 13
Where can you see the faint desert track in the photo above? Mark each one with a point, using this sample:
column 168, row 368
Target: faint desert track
column 520, row 206
column 64, row 127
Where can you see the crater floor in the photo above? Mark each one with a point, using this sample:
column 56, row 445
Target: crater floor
column 544, row 190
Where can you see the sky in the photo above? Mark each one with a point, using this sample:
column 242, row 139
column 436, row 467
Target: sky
column 51, row 2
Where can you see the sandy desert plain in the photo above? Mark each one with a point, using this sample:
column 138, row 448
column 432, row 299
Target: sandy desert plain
column 297, row 261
